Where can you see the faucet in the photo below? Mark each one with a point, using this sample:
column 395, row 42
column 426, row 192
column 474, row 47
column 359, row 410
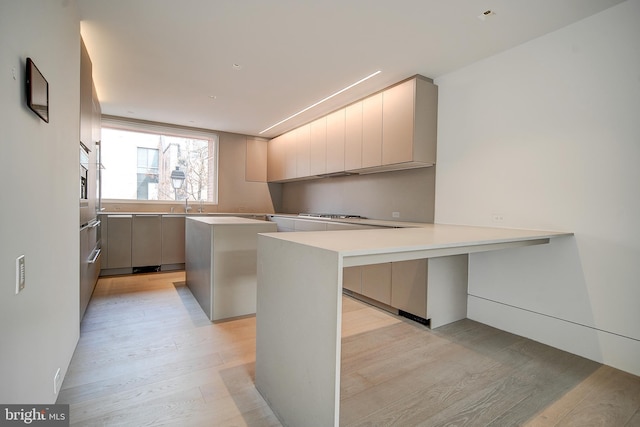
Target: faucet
column 187, row 208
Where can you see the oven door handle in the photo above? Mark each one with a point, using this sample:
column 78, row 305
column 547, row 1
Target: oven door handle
column 96, row 254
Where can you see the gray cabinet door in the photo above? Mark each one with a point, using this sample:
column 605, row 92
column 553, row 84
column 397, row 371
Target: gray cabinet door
column 353, row 137
column 351, row 279
column 409, row 286
column 146, row 245
column 335, row 145
column 372, row 131
column 173, row 239
column 284, row 224
column 376, row 282
column 119, row 238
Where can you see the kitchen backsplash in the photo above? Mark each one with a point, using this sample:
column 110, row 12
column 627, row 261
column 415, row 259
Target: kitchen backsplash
column 409, row 193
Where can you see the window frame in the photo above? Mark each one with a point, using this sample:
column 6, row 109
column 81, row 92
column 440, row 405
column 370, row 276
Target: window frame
column 120, row 123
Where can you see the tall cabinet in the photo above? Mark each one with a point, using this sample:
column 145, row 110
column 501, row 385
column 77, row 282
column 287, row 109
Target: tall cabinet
column 90, row 227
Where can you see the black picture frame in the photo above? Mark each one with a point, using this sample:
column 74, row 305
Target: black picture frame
column 37, row 91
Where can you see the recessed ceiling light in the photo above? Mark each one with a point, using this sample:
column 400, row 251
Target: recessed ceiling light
column 322, row 100
column 237, row 66
column 212, row 96
column 487, row 13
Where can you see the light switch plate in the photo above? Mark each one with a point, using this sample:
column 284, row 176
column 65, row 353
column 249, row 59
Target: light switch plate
column 20, row 274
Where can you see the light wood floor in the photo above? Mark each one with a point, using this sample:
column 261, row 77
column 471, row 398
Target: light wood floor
column 149, row 356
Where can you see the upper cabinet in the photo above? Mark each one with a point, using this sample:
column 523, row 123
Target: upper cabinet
column 276, row 149
column 96, row 116
column 302, row 137
column 353, row 137
column 372, row 131
column 409, row 123
column 318, row 147
column 391, row 130
column 335, row 142
column 86, row 97
column 90, row 134
column 256, row 160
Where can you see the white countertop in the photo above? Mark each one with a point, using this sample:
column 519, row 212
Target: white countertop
column 226, row 220
column 190, row 214
column 421, row 237
column 363, row 221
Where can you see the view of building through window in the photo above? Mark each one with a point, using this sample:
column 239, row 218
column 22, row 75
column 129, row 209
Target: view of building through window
column 138, row 166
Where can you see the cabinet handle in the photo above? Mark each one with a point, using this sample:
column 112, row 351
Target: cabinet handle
column 96, row 254
column 94, row 224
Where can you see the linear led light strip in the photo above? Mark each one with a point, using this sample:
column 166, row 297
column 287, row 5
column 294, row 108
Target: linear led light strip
column 322, row 100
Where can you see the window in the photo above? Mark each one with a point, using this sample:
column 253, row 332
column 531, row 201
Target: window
column 147, row 174
column 138, row 159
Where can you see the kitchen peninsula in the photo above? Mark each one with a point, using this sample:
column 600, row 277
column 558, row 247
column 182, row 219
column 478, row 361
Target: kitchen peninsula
column 299, row 302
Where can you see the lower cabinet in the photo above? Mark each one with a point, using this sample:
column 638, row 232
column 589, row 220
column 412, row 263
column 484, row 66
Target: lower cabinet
column 352, row 279
column 141, row 242
column 401, row 285
column 146, row 241
column 89, row 265
column 409, row 286
column 173, row 241
column 283, row 223
column 118, row 245
column 376, row 282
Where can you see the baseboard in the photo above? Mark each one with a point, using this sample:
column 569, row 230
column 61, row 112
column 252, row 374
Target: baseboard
column 115, row 271
column 601, row 346
column 172, row 267
column 370, row 301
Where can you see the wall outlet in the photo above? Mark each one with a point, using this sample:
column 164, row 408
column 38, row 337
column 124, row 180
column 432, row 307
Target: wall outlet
column 57, row 382
column 395, row 214
column 497, row 218
column 20, row 274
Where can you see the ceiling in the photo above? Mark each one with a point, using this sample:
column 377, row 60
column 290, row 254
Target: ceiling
column 174, row 61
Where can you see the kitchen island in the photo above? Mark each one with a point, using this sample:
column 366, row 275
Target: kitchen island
column 220, row 254
column 299, row 307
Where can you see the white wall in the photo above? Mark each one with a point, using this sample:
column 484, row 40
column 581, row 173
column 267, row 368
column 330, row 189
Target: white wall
column 235, row 193
column 547, row 135
column 39, row 328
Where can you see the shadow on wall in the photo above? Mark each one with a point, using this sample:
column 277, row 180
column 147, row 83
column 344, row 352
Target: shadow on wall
column 275, row 190
column 553, row 305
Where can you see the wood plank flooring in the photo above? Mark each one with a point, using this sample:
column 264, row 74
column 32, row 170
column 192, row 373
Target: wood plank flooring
column 149, row 356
